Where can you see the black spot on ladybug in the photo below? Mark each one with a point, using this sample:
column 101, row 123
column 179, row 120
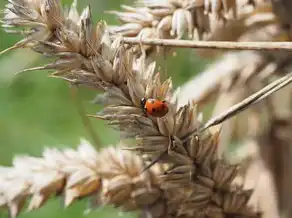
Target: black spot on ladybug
column 153, row 109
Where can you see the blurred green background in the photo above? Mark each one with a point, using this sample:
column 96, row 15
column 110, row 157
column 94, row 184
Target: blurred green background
column 37, row 111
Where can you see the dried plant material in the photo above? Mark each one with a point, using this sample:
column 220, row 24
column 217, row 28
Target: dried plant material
column 238, row 75
column 160, row 19
column 188, row 180
column 198, row 181
column 44, row 16
column 282, row 11
column 245, row 104
column 79, row 173
column 85, row 53
column 71, row 171
column 254, row 24
column 254, row 174
column 123, row 183
column 251, row 100
column 113, row 177
column 225, row 73
column 173, row 18
column 275, row 152
column 237, row 79
column 234, row 70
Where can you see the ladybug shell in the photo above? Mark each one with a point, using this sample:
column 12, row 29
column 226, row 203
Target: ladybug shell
column 155, row 107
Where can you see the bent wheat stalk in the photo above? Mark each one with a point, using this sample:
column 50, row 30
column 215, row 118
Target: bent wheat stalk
column 251, row 100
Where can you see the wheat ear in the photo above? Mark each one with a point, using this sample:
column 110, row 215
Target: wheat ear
column 111, row 177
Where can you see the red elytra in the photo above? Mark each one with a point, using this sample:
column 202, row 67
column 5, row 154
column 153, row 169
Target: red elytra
column 154, row 107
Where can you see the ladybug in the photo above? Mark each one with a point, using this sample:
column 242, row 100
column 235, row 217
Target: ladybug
column 154, row 107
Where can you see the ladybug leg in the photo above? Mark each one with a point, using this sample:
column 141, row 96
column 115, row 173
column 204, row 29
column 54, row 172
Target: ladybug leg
column 143, row 102
column 145, row 112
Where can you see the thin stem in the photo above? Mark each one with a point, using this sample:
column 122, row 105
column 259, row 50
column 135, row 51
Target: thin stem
column 259, row 46
column 246, row 103
column 8, row 49
column 158, row 158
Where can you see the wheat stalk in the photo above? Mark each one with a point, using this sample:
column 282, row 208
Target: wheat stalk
column 251, row 100
column 256, row 46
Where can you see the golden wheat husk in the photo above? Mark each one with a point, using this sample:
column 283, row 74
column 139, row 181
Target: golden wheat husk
column 197, row 20
column 173, row 18
column 110, row 177
column 113, row 177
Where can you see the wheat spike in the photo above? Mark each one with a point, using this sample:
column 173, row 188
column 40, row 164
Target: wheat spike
column 171, row 18
column 110, row 177
column 175, row 19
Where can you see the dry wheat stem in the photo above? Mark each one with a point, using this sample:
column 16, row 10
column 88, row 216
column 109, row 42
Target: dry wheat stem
column 246, row 103
column 251, row 100
column 257, row 46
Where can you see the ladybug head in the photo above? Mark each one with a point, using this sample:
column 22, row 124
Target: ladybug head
column 143, row 102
